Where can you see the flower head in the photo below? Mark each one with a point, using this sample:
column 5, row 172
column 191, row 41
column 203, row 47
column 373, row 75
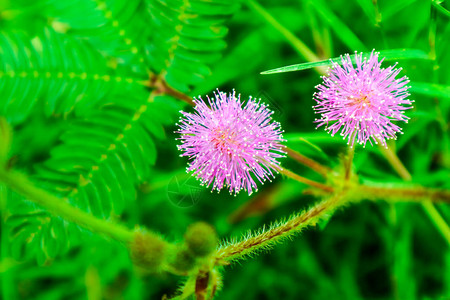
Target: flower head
column 362, row 100
column 231, row 143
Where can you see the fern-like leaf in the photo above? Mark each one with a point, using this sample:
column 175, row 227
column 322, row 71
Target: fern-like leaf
column 187, row 38
column 57, row 69
column 116, row 27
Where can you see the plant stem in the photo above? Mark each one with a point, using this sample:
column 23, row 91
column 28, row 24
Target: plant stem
column 264, row 239
column 295, row 42
column 315, row 166
column 431, row 211
column 415, row 193
column 162, row 88
column 349, row 162
column 304, row 180
column 58, row 207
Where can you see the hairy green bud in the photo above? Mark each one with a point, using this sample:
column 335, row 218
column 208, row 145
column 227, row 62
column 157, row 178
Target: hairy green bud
column 201, row 239
column 183, row 260
column 148, row 251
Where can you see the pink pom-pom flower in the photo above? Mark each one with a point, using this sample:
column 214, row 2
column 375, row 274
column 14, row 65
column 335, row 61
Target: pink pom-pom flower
column 231, row 143
column 362, row 101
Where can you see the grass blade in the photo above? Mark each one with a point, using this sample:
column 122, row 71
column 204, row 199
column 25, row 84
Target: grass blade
column 440, row 8
column 394, row 54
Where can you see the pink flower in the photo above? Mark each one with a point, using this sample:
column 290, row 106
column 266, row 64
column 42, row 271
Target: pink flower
column 363, row 100
column 231, row 143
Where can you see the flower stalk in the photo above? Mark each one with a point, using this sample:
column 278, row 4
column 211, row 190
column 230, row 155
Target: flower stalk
column 307, row 181
column 308, row 162
column 349, row 162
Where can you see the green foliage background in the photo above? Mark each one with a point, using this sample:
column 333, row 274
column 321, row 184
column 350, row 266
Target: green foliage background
column 78, row 81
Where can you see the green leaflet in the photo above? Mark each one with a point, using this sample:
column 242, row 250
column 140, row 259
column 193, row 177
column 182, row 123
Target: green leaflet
column 54, row 71
column 187, row 38
column 395, row 54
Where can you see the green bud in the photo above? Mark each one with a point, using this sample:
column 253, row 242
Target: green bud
column 148, row 251
column 183, row 260
column 201, row 239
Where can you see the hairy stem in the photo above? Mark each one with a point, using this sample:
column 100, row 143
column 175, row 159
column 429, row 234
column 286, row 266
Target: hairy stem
column 312, row 164
column 276, row 233
column 58, row 207
column 304, row 180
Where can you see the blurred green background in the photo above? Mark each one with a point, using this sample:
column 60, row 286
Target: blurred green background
column 365, row 251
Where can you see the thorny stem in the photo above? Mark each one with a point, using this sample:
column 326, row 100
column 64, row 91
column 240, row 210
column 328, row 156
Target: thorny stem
column 315, row 166
column 295, row 42
column 304, row 180
column 268, row 237
column 431, row 211
column 20, row 184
